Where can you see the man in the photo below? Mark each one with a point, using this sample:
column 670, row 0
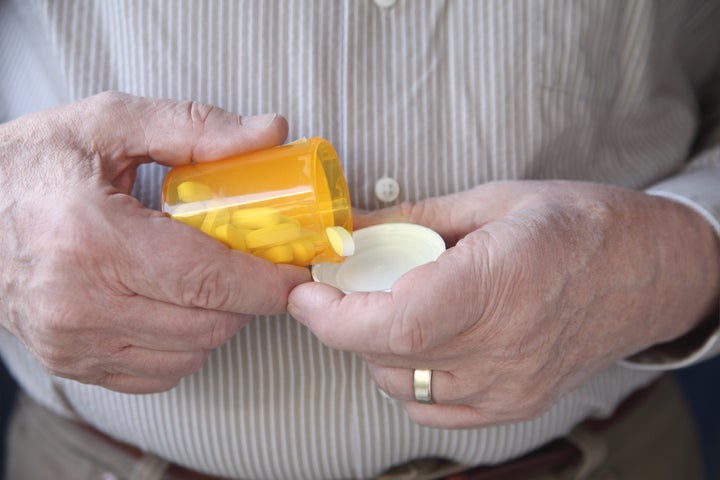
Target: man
column 565, row 288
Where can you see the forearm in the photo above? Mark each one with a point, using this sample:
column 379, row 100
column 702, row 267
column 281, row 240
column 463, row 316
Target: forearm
column 696, row 188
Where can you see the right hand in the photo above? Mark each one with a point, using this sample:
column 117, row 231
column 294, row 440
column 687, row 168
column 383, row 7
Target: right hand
column 100, row 289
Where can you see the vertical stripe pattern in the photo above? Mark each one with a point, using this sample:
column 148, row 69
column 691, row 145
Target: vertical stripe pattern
column 440, row 95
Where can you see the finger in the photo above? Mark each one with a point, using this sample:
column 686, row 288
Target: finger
column 488, row 411
column 446, row 387
column 133, row 250
column 452, row 216
column 172, row 132
column 314, row 304
column 154, row 364
column 395, row 382
column 136, row 370
column 205, row 273
column 159, row 325
column 123, row 383
column 450, row 416
column 146, row 253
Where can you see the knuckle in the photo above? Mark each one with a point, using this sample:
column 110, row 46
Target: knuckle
column 110, row 100
column 528, row 355
column 462, row 389
column 529, row 402
column 406, row 337
column 381, row 378
column 177, row 367
column 204, row 289
column 221, row 331
column 163, row 385
column 194, row 363
column 56, row 322
column 111, row 381
column 59, row 340
column 110, row 106
column 56, row 362
column 422, row 212
column 411, row 210
column 419, row 418
column 198, row 113
column 61, row 362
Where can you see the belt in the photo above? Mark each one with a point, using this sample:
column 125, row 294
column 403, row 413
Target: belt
column 558, row 455
column 552, row 457
column 173, row 472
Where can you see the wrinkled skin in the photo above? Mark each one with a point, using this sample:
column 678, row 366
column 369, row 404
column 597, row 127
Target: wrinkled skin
column 100, row 289
column 544, row 284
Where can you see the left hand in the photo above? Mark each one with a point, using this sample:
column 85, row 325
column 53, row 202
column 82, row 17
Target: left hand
column 544, row 284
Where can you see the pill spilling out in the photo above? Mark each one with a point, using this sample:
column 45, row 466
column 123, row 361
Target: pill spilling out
column 341, row 241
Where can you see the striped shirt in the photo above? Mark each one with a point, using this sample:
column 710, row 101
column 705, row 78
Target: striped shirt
column 439, row 95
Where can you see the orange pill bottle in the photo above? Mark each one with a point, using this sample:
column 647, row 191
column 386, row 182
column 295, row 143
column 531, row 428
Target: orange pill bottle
column 287, row 204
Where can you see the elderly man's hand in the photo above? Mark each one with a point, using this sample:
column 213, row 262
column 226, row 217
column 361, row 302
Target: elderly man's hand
column 97, row 287
column 545, row 284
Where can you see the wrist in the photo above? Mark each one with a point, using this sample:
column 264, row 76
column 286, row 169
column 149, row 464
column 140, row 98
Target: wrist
column 691, row 254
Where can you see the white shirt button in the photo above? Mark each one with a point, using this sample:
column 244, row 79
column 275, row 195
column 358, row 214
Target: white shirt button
column 385, row 3
column 387, row 189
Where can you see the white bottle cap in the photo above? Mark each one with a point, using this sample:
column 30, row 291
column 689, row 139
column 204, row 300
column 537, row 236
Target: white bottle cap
column 383, row 253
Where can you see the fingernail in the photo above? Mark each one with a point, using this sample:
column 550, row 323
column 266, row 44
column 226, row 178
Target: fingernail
column 258, row 121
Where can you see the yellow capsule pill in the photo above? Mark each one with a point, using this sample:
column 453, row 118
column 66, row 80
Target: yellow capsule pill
column 236, row 237
column 213, row 219
column 220, row 232
column 253, row 218
column 274, row 235
column 190, row 214
column 276, row 254
column 189, row 191
column 303, row 251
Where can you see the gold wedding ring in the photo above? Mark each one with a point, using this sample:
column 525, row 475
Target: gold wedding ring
column 422, row 385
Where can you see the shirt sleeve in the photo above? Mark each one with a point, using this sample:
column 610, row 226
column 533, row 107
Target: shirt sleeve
column 698, row 187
